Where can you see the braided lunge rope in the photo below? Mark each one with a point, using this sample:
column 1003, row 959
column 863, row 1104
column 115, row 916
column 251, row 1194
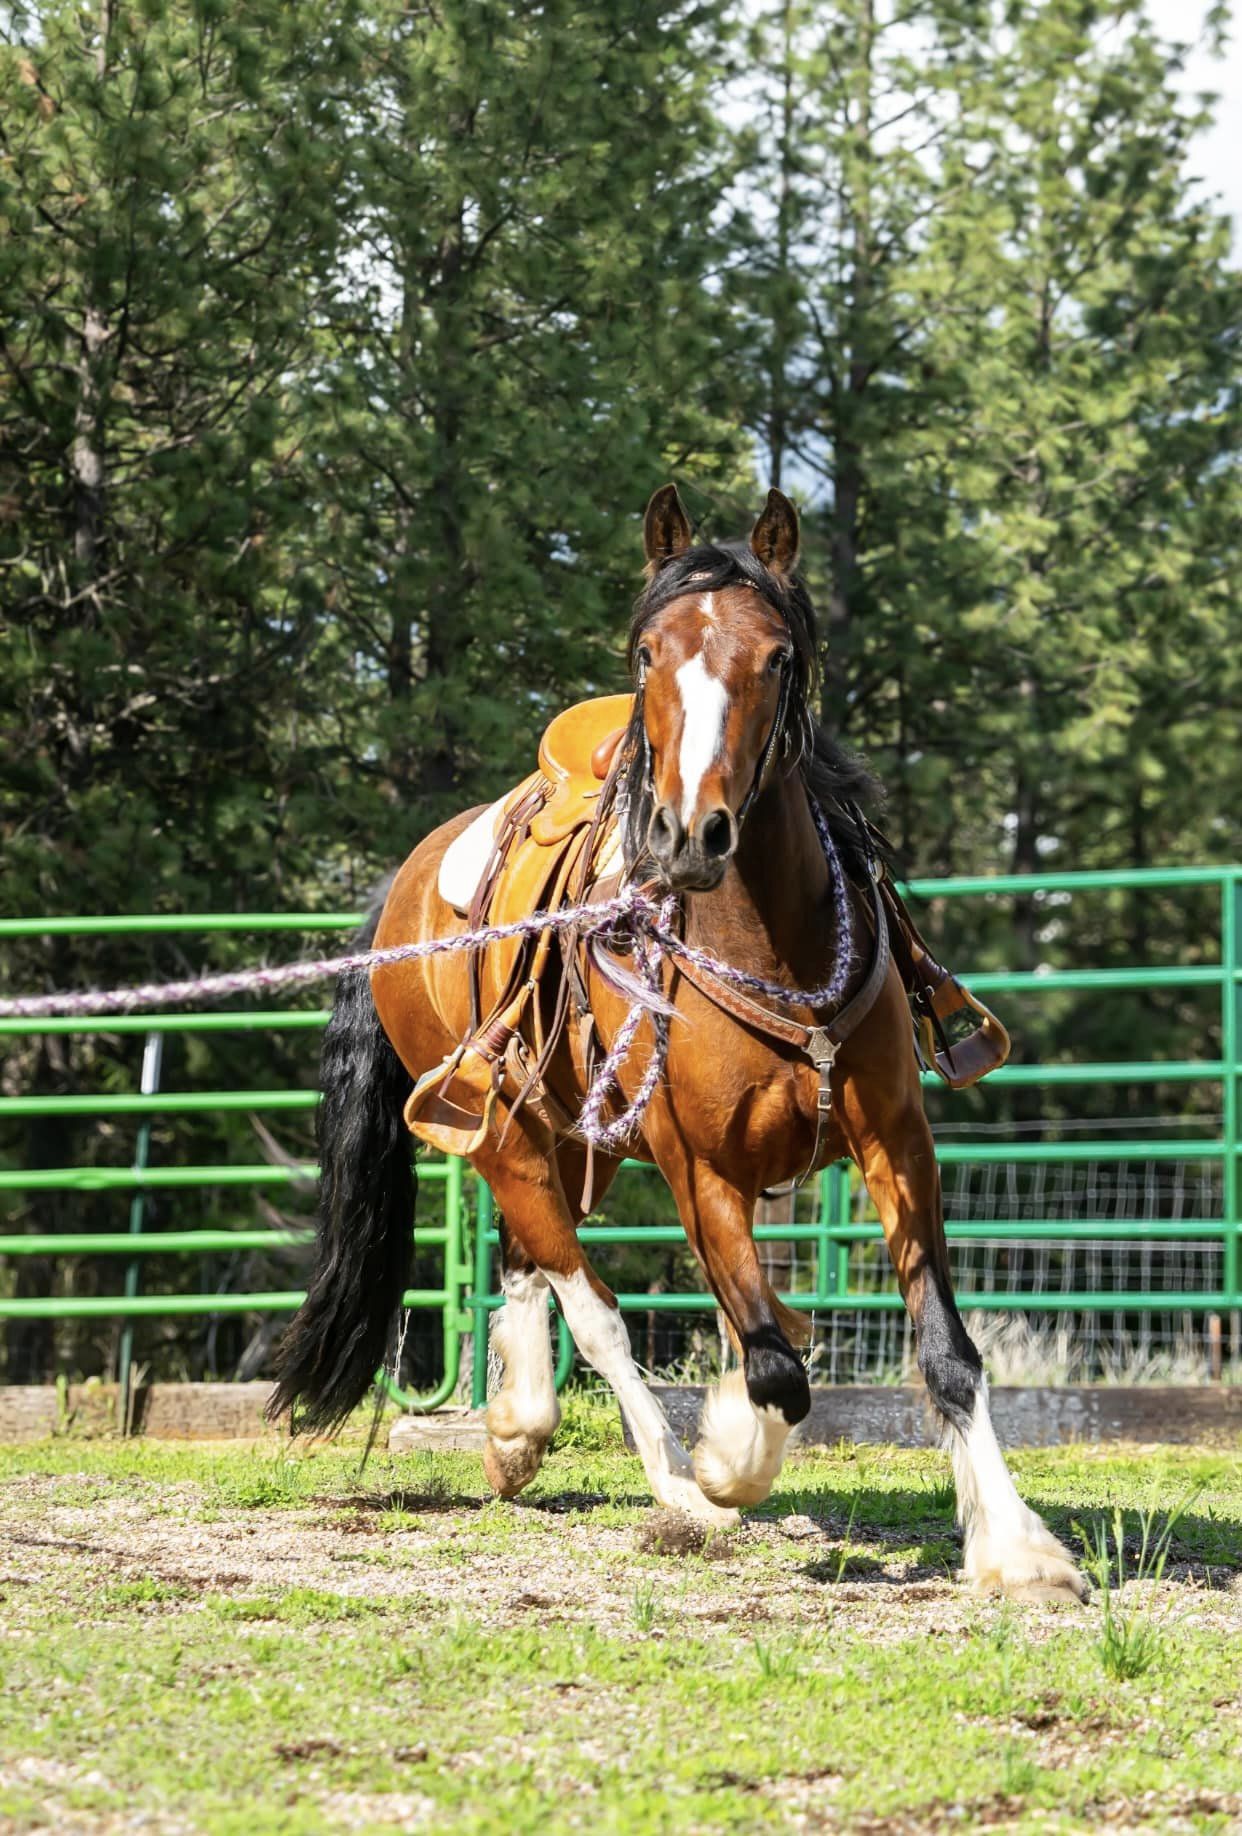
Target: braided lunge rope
column 649, row 921
column 608, row 1135
column 318, row 969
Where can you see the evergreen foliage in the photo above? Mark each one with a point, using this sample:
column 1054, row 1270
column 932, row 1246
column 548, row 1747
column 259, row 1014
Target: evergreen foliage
column 341, row 345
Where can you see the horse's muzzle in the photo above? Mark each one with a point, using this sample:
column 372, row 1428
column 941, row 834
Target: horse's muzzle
column 691, row 860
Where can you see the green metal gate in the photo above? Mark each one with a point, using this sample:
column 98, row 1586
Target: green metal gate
column 466, row 1235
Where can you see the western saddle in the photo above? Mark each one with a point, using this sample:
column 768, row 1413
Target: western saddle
column 554, row 839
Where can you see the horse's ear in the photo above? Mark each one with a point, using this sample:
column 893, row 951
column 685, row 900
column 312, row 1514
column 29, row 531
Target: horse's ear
column 774, row 538
column 666, row 528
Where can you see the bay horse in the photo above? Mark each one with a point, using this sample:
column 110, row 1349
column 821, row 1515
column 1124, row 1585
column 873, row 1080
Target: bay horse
column 726, row 782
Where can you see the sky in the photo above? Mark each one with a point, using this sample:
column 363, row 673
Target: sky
column 1217, row 157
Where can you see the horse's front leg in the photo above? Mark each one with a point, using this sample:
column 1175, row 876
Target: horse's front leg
column 1008, row 1547
column 748, row 1417
column 523, row 1414
column 539, row 1220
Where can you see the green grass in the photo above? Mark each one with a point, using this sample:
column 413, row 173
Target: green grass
column 231, row 1640
column 1130, row 1642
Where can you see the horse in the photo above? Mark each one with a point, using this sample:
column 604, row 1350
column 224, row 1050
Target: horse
column 733, row 802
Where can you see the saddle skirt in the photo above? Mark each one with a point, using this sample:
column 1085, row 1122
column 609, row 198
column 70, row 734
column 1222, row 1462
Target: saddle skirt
column 533, row 850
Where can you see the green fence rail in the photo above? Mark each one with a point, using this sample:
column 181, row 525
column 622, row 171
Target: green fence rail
column 467, row 1237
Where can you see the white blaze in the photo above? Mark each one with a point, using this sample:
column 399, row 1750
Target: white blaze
column 704, row 706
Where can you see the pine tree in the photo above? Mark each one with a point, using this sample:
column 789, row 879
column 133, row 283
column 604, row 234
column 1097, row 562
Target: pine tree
column 1001, row 332
column 166, row 176
column 531, row 353
column 167, row 183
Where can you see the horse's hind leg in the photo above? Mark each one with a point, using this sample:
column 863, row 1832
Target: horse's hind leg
column 528, row 1189
column 523, row 1414
column 1008, row 1547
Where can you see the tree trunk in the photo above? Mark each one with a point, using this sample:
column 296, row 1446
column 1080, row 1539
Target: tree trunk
column 783, row 330
column 86, row 454
column 86, row 457
column 848, row 471
column 447, row 630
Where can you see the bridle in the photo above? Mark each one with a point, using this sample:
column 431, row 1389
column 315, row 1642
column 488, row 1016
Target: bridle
column 777, row 735
column 819, row 1042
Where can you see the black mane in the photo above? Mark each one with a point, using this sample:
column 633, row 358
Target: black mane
column 837, row 778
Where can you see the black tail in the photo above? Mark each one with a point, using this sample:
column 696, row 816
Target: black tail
column 340, row 1335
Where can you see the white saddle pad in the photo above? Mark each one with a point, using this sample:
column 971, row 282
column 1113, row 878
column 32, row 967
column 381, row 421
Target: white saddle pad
column 465, row 859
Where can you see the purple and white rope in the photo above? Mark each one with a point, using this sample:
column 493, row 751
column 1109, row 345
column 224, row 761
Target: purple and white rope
column 650, row 922
column 832, row 992
column 606, row 1136
column 630, row 904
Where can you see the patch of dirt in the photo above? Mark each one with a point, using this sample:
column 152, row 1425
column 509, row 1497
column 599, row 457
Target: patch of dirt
column 1172, row 1810
column 528, row 1562
column 414, row 1504
column 58, row 1778
column 674, row 1533
column 798, row 1786
column 353, row 1810
column 737, row 1612
column 998, row 1812
column 308, row 1749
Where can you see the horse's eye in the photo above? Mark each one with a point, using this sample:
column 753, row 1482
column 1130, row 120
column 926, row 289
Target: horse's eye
column 644, row 657
column 778, row 661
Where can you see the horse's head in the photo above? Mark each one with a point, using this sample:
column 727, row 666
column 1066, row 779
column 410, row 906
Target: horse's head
column 722, row 650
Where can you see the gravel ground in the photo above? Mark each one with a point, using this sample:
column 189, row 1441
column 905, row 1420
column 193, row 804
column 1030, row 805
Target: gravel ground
column 214, row 1575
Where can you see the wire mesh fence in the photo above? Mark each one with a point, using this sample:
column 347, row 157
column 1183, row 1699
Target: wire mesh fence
column 1124, row 1200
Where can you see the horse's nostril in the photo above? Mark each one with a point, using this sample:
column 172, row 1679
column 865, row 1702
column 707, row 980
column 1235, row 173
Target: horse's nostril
column 716, row 834
column 664, row 832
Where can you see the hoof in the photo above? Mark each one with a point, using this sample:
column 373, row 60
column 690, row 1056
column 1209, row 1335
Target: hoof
column 1044, row 1572
column 1071, row 1592
column 683, row 1495
column 740, row 1448
column 510, row 1465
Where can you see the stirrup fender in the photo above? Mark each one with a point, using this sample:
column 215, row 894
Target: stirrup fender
column 441, row 1110
column 435, row 1117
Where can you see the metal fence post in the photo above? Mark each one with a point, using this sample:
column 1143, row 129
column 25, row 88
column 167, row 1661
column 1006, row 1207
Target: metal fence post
column 1230, row 1040
column 829, row 1270
column 152, row 1062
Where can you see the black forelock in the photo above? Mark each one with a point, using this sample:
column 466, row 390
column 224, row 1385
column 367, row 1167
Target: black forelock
column 711, row 568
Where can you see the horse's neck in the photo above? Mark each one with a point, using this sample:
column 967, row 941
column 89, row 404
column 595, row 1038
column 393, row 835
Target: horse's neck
column 771, row 913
